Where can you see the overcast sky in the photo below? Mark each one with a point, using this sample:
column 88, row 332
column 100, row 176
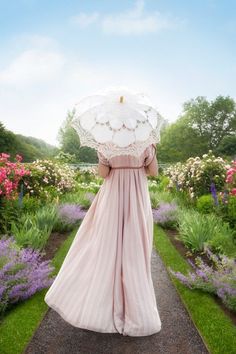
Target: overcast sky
column 54, row 52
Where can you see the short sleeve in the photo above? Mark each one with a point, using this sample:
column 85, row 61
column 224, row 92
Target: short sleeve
column 102, row 159
column 150, row 153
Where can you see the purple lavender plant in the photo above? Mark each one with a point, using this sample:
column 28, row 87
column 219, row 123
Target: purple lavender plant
column 220, row 281
column 71, row 213
column 165, row 213
column 214, row 193
column 22, row 272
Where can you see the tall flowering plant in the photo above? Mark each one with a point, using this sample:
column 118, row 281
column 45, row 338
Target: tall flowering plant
column 231, row 178
column 227, row 197
column 49, row 178
column 196, row 175
column 10, row 175
column 219, row 280
column 22, row 273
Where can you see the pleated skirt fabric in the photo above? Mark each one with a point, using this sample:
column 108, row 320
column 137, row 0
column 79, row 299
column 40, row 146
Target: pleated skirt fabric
column 105, row 282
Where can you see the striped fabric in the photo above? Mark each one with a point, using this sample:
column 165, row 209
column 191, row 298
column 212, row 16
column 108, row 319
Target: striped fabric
column 105, row 283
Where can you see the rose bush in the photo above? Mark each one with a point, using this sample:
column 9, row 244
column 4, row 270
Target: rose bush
column 48, row 179
column 10, row 175
column 196, row 175
column 231, row 178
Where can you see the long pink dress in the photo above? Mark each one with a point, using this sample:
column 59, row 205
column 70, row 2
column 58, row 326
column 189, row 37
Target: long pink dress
column 105, row 282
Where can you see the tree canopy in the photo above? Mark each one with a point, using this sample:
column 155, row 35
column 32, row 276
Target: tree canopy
column 201, row 127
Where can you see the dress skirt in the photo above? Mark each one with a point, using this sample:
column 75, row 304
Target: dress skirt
column 105, row 282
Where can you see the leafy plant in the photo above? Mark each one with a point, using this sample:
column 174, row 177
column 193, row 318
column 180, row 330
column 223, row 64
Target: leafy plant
column 34, row 229
column 166, row 214
column 48, row 179
column 196, row 229
column 205, row 204
column 22, row 273
column 196, row 175
column 220, row 280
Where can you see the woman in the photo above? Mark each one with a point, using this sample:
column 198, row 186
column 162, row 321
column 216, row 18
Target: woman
column 105, row 282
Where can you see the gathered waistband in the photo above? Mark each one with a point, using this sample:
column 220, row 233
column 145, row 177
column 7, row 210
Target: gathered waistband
column 127, row 167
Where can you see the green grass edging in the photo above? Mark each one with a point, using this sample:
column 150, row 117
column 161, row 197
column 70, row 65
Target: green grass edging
column 19, row 325
column 216, row 329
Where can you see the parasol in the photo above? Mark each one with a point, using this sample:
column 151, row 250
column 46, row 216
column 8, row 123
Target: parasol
column 117, row 121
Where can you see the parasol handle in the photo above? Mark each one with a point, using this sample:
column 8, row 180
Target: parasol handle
column 121, row 99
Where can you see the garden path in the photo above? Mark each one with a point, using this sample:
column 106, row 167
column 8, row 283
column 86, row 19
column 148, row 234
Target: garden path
column 177, row 336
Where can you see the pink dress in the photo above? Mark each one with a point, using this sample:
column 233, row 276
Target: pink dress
column 105, row 282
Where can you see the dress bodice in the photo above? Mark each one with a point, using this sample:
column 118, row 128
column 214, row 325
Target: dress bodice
column 129, row 161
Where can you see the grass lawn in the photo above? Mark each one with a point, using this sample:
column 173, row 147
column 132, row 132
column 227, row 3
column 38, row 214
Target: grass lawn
column 216, row 329
column 20, row 323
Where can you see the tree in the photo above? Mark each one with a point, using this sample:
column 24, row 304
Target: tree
column 214, row 120
column 179, row 141
column 68, row 138
column 227, row 146
column 70, row 142
column 7, row 140
column 29, row 148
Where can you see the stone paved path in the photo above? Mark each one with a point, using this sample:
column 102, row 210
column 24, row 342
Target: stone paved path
column 178, row 334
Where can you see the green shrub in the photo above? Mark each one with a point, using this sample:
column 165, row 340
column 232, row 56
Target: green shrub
column 31, row 203
column 163, row 182
column 196, row 229
column 48, row 179
column 62, row 226
column 157, row 197
column 34, row 229
column 83, row 198
column 228, row 210
column 196, row 174
column 223, row 242
column 205, row 204
column 9, row 212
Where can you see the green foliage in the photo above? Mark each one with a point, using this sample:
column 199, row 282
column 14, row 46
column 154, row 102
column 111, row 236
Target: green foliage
column 9, row 211
column 182, row 198
column 28, row 147
column 65, row 157
column 197, row 229
column 7, row 140
column 31, row 203
column 160, row 196
column 179, row 141
column 70, row 142
column 80, row 197
column 224, row 241
column 202, row 126
column 62, row 226
column 227, row 146
column 34, row 229
column 163, row 182
column 212, row 120
column 205, row 204
column 228, row 210
column 195, row 176
column 68, row 138
column 204, row 310
column 48, row 179
column 86, row 176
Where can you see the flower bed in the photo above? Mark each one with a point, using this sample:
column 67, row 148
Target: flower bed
column 22, row 273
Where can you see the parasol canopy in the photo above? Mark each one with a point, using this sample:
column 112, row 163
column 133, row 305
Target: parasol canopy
column 117, row 121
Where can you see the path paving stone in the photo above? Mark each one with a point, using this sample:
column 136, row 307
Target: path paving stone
column 177, row 336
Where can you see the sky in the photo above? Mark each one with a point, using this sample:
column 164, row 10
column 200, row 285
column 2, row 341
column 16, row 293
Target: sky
column 52, row 53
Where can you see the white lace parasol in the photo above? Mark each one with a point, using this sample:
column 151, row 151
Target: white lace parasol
column 117, row 122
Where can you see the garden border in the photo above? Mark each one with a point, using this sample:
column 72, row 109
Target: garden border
column 30, row 312
column 212, row 334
